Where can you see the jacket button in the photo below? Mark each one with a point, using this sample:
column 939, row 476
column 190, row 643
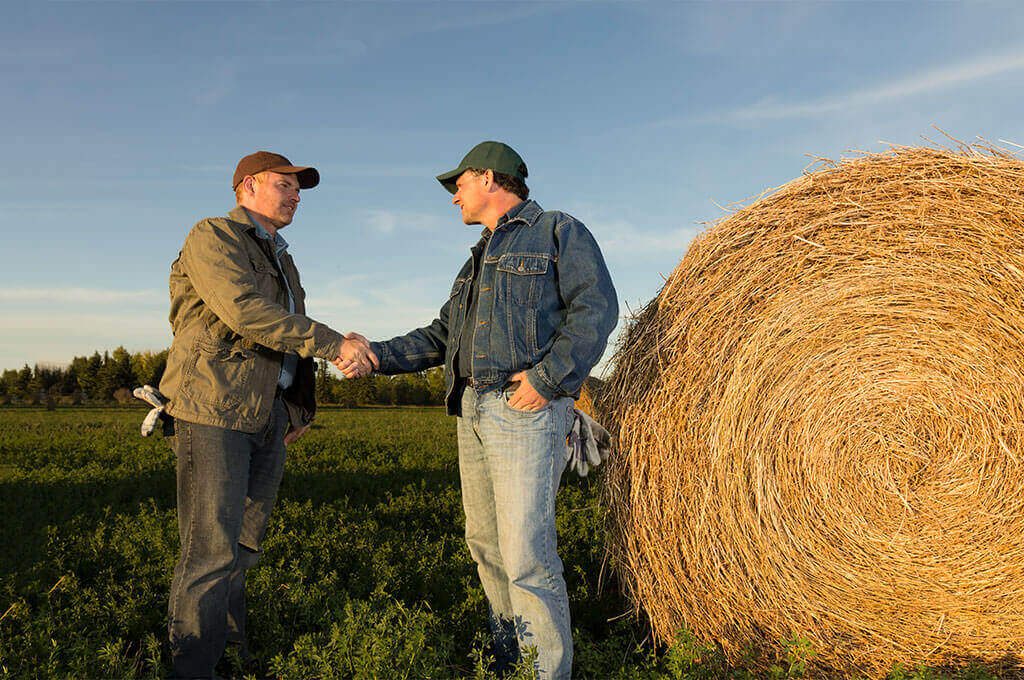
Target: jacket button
column 522, row 268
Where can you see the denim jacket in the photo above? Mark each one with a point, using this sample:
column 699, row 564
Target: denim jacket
column 546, row 305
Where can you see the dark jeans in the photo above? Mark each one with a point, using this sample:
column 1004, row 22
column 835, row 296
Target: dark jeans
column 227, row 485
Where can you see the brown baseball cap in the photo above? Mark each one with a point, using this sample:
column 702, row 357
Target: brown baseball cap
column 266, row 161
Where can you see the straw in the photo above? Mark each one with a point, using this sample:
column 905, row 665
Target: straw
column 820, row 420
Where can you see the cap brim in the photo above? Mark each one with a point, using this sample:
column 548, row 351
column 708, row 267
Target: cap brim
column 308, row 177
column 449, row 178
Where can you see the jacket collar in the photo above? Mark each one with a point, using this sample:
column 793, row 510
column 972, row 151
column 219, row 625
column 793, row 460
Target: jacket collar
column 526, row 213
column 249, row 223
column 241, row 216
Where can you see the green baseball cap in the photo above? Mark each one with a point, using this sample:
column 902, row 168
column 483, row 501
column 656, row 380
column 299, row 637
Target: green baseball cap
column 494, row 156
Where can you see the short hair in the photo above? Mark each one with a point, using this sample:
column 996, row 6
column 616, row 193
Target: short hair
column 257, row 178
column 507, row 182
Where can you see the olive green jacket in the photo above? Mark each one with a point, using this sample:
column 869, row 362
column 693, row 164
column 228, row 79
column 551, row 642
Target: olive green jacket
column 229, row 314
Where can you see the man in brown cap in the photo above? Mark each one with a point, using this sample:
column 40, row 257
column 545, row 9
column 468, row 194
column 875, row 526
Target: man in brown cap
column 240, row 385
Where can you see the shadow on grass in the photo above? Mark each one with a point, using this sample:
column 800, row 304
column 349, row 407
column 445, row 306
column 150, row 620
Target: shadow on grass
column 360, row 489
column 29, row 507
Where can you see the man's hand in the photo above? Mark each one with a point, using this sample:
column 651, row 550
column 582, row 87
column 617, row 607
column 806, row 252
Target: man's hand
column 525, row 398
column 294, row 433
column 356, row 359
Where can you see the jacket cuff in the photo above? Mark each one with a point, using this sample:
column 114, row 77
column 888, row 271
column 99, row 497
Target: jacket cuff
column 383, row 355
column 540, row 382
column 327, row 342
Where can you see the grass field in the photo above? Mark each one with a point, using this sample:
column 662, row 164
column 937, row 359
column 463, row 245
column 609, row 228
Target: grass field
column 365, row 573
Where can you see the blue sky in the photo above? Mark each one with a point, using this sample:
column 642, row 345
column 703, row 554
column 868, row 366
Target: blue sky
column 125, row 120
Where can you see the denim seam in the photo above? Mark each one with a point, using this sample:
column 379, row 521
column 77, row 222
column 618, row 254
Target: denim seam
column 556, row 451
column 549, row 548
column 186, row 549
column 512, row 343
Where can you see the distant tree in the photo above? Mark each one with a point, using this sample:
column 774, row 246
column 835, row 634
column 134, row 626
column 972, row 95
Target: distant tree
column 324, row 382
column 435, row 383
column 69, row 380
column 148, row 367
column 22, row 385
column 386, row 390
column 410, row 388
column 99, row 377
column 116, row 373
column 45, row 378
column 355, row 392
column 88, row 372
column 9, row 383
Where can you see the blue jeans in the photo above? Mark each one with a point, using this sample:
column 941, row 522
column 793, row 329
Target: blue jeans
column 510, row 463
column 227, row 485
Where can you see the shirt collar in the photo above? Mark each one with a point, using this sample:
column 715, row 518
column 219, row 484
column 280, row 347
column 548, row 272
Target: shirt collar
column 280, row 245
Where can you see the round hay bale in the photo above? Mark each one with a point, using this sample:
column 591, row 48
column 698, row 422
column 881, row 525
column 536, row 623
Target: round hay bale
column 820, row 420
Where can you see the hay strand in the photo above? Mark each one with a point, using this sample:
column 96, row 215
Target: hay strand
column 820, row 419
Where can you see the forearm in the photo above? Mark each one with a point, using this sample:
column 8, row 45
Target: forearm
column 592, row 311
column 417, row 350
column 271, row 325
column 223, row 277
column 574, row 353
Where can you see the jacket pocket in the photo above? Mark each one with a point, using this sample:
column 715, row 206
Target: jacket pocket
column 268, row 279
column 218, row 373
column 522, row 276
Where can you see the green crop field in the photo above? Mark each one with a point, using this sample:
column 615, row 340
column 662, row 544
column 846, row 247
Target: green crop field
column 365, row 573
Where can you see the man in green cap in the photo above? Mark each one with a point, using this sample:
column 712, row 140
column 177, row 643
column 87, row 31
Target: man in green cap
column 527, row 318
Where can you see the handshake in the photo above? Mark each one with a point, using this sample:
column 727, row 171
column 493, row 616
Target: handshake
column 355, row 358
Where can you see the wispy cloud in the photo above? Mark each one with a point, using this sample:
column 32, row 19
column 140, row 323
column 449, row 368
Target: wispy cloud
column 333, row 52
column 902, row 88
column 464, row 21
column 36, row 54
column 385, row 221
column 369, row 169
column 620, row 238
column 94, row 296
column 219, row 82
column 379, row 307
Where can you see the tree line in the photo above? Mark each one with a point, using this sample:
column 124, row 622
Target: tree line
column 110, row 378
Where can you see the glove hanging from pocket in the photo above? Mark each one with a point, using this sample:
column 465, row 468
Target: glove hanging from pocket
column 154, row 398
column 588, row 444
